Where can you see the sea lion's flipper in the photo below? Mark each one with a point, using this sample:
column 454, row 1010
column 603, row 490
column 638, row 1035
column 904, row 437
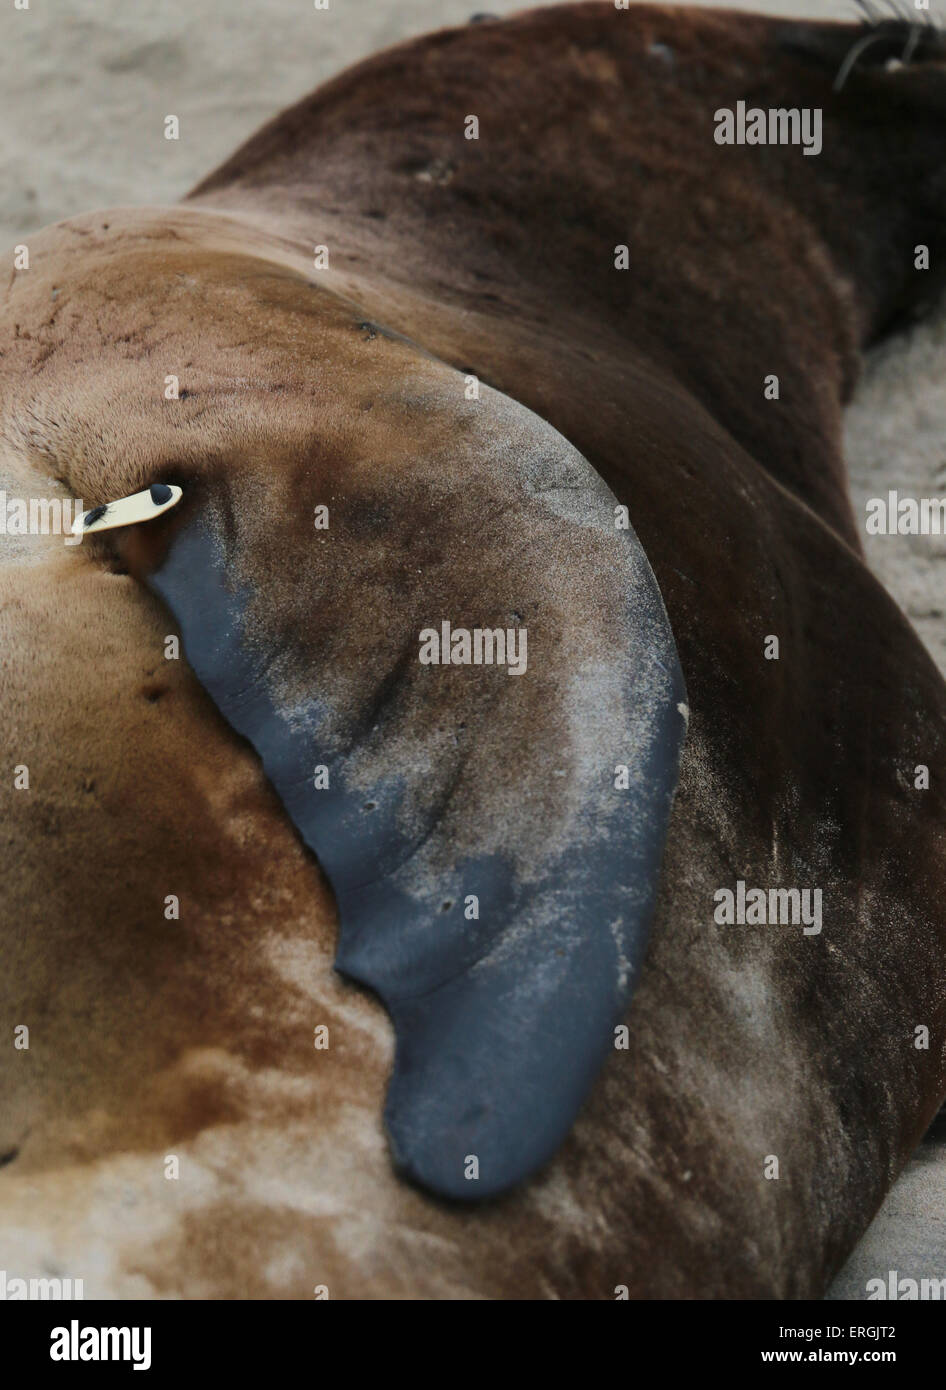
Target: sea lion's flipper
column 493, row 839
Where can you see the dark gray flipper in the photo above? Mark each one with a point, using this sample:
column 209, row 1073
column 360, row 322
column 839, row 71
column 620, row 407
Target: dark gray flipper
column 450, row 783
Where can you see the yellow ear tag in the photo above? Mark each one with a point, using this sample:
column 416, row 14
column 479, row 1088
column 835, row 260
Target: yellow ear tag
column 128, row 511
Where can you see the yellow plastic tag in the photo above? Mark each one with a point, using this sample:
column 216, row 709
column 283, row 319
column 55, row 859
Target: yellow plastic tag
column 128, row 511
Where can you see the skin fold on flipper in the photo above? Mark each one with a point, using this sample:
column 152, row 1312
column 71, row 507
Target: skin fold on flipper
column 505, row 966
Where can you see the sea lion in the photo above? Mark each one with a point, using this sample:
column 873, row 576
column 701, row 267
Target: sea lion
column 624, row 290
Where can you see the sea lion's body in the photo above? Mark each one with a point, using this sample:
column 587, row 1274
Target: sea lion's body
column 746, row 1043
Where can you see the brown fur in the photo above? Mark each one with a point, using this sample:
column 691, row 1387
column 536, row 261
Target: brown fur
column 195, row 1037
